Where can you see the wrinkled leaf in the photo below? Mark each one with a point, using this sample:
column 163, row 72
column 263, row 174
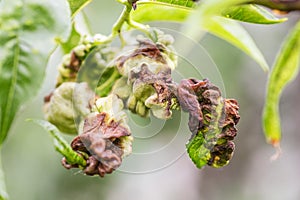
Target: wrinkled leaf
column 197, row 152
column 285, row 69
column 60, row 144
column 27, row 37
column 72, row 42
column 252, row 14
column 77, row 5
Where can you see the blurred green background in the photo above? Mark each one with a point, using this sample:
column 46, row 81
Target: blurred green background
column 33, row 169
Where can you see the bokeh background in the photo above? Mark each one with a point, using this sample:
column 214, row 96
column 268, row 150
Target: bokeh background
column 33, row 169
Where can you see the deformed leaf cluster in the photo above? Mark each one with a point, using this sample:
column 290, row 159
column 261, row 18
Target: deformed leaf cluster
column 215, row 16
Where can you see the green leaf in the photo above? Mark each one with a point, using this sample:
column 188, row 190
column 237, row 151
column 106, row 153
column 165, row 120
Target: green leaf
column 197, row 152
column 285, row 69
column 61, row 145
column 77, row 5
column 200, row 21
column 252, row 14
column 208, row 8
column 172, row 12
column 107, row 81
column 199, row 147
column 183, row 3
column 27, row 37
column 207, row 18
column 235, row 34
column 167, row 12
column 3, row 193
column 72, row 42
column 95, row 70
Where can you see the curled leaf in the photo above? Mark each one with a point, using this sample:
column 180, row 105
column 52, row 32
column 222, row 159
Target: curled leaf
column 212, row 121
column 148, row 71
column 105, row 140
column 285, row 69
column 156, row 91
column 68, row 105
column 147, row 52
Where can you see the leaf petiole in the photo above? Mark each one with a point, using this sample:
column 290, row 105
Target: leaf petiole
column 125, row 17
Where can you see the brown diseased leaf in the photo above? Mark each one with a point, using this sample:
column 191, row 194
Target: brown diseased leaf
column 100, row 141
column 212, row 116
column 146, row 48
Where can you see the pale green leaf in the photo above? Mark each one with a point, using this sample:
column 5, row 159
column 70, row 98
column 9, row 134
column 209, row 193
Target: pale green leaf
column 77, row 5
column 167, row 12
column 3, row 193
column 235, row 34
column 72, row 42
column 226, row 29
column 27, row 37
column 285, row 69
column 183, row 3
column 206, row 18
column 60, row 144
column 208, row 8
column 173, row 11
column 252, row 14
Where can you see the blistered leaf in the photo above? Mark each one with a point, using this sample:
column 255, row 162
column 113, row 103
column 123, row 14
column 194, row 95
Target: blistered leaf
column 68, row 105
column 252, row 14
column 61, row 145
column 197, row 152
column 77, row 5
column 105, row 139
column 27, row 37
column 212, row 121
column 285, row 69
